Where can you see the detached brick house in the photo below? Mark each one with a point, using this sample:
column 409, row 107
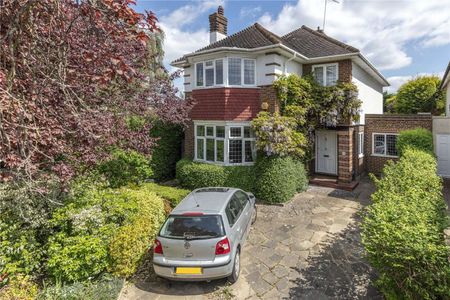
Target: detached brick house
column 231, row 80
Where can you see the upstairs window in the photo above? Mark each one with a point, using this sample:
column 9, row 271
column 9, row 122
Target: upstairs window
column 326, row 75
column 234, row 71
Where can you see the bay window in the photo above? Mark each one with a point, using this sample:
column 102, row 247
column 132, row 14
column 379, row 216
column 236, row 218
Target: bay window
column 384, row 144
column 225, row 143
column 326, row 75
column 232, row 71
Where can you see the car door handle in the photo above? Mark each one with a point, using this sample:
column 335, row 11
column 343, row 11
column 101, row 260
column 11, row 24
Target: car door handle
column 326, row 155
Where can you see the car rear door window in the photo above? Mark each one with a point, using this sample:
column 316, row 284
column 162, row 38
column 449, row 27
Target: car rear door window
column 192, row 227
column 233, row 210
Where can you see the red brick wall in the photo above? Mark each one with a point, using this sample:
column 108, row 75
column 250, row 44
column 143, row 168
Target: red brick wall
column 269, row 95
column 345, row 154
column 388, row 124
column 344, row 69
column 230, row 104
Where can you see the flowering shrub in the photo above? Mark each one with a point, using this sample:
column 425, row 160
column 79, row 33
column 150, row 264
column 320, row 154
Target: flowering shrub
column 277, row 135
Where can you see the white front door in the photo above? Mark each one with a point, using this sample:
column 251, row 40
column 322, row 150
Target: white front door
column 326, row 154
column 443, row 154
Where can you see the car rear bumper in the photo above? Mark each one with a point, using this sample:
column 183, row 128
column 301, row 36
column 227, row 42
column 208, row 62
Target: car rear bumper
column 208, row 273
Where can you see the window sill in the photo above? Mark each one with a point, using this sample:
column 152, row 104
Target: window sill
column 225, row 86
column 361, row 156
column 385, row 156
column 224, row 164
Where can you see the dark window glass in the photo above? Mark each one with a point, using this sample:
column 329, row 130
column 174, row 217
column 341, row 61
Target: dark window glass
column 249, row 71
column 201, row 130
column 250, row 152
column 192, row 227
column 219, row 71
column 220, row 131
column 199, row 74
column 391, row 145
column 200, row 147
column 235, row 151
column 234, row 71
column 210, row 149
column 235, row 132
column 233, row 211
column 219, row 150
column 209, row 76
column 209, row 131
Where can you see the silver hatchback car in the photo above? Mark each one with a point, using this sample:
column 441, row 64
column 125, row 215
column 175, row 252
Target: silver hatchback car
column 203, row 236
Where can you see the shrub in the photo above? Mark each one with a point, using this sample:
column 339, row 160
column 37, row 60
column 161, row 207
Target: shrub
column 20, row 288
column 242, row 177
column 278, row 178
column 193, row 175
column 168, row 150
column 171, row 194
column 75, row 258
column 132, row 240
column 403, row 230
column 125, row 167
column 20, row 252
column 87, row 232
column 418, row 138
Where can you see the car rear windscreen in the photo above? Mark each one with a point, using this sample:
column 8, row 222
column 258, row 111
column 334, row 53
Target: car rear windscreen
column 193, row 227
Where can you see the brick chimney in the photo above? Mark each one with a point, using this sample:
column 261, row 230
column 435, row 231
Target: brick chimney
column 217, row 26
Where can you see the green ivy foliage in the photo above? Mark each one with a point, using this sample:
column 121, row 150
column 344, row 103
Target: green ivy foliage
column 279, row 178
column 167, row 151
column 402, row 230
column 125, row 167
column 278, row 135
column 418, row 138
column 421, row 94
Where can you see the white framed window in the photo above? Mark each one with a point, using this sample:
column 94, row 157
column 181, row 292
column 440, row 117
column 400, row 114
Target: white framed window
column 384, row 144
column 360, row 144
column 231, row 71
column 228, row 143
column 326, row 74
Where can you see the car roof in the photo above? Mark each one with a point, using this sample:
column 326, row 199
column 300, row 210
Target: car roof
column 211, row 200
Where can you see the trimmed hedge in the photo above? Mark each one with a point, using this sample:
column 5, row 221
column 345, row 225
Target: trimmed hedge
column 279, row 178
column 273, row 179
column 171, row 194
column 418, row 138
column 167, row 151
column 402, row 231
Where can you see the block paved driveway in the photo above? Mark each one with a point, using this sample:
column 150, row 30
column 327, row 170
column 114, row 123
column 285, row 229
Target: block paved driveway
column 307, row 249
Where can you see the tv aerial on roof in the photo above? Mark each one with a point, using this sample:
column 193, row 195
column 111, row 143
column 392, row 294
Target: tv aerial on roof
column 325, row 12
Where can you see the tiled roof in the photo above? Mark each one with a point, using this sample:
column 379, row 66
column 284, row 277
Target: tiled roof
column 444, row 78
column 304, row 40
column 312, row 43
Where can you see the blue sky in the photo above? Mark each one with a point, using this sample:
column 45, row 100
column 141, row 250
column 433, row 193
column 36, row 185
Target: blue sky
column 402, row 38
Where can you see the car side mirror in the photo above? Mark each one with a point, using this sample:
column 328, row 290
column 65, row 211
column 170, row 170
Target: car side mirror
column 251, row 196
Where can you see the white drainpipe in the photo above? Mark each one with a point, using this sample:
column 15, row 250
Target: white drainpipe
column 286, row 62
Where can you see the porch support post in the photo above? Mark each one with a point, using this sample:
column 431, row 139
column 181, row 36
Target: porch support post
column 345, row 154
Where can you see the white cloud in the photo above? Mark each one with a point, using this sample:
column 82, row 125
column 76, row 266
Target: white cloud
column 380, row 29
column 397, row 81
column 250, row 12
column 179, row 40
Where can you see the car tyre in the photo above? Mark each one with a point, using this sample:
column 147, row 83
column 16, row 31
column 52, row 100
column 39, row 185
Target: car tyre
column 236, row 268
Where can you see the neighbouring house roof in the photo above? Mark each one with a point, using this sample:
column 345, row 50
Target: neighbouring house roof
column 446, row 78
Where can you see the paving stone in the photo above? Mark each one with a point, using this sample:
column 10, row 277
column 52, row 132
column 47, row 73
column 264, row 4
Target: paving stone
column 320, row 209
column 289, row 260
column 261, row 287
column 315, row 227
column 282, row 284
column 280, row 271
column 318, row 236
column 335, row 228
column 303, row 245
column 270, row 278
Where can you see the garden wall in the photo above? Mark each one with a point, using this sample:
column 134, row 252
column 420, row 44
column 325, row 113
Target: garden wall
column 388, row 124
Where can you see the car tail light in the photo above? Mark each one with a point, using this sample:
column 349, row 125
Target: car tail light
column 157, row 248
column 223, row 247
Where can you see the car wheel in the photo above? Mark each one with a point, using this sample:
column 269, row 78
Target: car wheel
column 255, row 214
column 236, row 268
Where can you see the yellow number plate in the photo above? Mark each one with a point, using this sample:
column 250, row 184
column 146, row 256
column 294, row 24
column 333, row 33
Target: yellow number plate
column 190, row 271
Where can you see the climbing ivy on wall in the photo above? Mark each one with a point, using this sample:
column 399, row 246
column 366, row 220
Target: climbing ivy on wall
column 305, row 106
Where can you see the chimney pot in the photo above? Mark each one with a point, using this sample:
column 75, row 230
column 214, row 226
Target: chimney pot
column 220, row 10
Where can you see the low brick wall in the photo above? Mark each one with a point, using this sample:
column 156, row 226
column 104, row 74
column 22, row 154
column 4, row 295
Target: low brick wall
column 388, row 124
